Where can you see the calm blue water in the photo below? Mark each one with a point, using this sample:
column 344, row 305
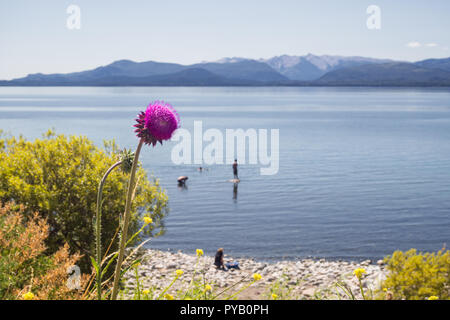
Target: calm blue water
column 362, row 172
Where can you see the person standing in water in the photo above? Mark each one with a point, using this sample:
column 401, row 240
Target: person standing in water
column 235, row 170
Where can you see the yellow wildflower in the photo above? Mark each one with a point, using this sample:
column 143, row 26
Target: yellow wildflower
column 168, row 296
column 199, row 252
column 146, row 291
column 433, row 298
column 208, row 288
column 257, row 277
column 274, row 296
column 179, row 272
column 359, row 272
column 147, row 220
column 28, row 296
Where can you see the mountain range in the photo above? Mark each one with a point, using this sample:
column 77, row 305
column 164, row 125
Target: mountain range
column 285, row 70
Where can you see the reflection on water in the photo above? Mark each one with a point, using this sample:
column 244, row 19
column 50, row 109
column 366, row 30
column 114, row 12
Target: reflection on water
column 235, row 191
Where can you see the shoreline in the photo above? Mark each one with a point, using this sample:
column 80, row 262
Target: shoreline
column 272, row 260
column 307, row 278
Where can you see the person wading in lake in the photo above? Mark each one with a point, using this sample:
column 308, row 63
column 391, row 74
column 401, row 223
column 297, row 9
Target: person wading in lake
column 235, row 171
column 218, row 260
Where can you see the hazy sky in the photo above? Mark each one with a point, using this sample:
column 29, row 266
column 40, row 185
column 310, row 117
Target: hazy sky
column 34, row 36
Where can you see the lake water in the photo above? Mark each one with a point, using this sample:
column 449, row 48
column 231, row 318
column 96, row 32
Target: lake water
column 363, row 171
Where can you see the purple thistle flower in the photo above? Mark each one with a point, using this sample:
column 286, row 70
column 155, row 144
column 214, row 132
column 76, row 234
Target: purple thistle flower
column 157, row 123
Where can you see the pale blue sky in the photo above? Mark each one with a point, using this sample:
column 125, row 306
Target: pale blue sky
column 34, row 37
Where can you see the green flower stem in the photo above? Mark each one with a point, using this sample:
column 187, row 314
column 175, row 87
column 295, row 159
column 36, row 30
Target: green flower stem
column 113, row 256
column 126, row 220
column 361, row 288
column 242, row 289
column 98, row 230
column 228, row 288
column 346, row 290
column 193, row 277
column 168, row 287
column 136, row 234
column 138, row 287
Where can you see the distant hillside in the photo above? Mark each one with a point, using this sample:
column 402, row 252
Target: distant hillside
column 442, row 64
column 386, row 74
column 124, row 69
column 309, row 70
column 187, row 77
column 126, row 72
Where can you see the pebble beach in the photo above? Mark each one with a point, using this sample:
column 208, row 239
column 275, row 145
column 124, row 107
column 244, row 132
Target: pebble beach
column 307, row 278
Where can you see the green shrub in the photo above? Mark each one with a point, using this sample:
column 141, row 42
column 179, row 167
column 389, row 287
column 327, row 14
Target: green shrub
column 58, row 176
column 418, row 276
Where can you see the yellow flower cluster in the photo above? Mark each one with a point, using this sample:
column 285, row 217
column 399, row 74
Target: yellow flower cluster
column 199, row 252
column 257, row 277
column 208, row 288
column 403, row 280
column 274, row 296
column 147, row 220
column 146, row 292
column 179, row 273
column 433, row 298
column 168, row 296
column 359, row 272
column 28, row 296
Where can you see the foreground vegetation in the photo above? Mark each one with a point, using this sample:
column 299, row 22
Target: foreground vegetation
column 58, row 176
column 27, row 271
column 418, row 276
column 48, row 212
